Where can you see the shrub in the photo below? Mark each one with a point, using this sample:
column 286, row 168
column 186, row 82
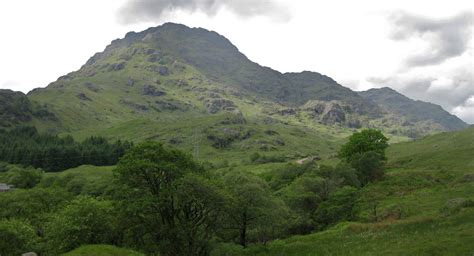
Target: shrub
column 84, row 221
column 17, row 237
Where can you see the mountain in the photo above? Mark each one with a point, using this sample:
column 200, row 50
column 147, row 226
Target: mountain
column 17, row 109
column 413, row 111
column 193, row 88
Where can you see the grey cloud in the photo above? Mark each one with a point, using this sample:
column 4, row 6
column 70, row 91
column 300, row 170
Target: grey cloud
column 446, row 38
column 153, row 10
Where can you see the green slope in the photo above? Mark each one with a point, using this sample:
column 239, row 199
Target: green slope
column 425, row 206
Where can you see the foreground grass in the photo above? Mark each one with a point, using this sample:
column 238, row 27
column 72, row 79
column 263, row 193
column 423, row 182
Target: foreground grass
column 101, row 250
column 453, row 235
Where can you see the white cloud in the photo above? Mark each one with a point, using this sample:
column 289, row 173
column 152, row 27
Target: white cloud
column 466, row 111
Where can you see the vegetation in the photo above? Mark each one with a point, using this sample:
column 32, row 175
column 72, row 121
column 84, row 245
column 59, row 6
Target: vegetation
column 27, row 147
column 160, row 200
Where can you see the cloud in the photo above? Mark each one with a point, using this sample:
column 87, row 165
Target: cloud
column 439, row 66
column 443, row 38
column 450, row 84
column 152, row 10
column 466, row 110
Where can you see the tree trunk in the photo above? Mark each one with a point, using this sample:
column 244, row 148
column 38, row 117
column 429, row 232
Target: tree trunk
column 243, row 230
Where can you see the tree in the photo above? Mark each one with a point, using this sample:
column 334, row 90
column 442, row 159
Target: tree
column 364, row 141
column 365, row 152
column 339, row 207
column 84, row 221
column 169, row 199
column 251, row 205
column 368, row 165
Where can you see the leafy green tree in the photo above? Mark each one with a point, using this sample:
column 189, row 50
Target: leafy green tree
column 339, row 207
column 251, row 206
column 369, row 166
column 365, row 152
column 303, row 196
column 84, row 221
column 17, row 237
column 177, row 206
column 364, row 141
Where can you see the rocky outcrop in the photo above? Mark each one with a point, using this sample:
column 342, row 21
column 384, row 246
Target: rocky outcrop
column 134, row 105
column 117, row 66
column 151, row 90
column 327, row 112
column 215, row 105
column 333, row 114
column 287, row 112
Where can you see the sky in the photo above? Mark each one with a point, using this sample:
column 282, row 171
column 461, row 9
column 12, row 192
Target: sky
column 423, row 49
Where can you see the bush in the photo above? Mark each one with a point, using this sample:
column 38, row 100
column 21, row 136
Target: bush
column 84, row 221
column 17, row 237
column 24, row 177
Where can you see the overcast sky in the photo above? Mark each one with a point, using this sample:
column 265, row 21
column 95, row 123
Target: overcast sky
column 423, row 49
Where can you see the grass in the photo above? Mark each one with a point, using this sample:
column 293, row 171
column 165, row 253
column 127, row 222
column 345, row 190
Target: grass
column 101, row 250
column 423, row 236
column 430, row 183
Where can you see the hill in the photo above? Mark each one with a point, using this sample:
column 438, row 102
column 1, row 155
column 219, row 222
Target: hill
column 413, row 111
column 17, row 109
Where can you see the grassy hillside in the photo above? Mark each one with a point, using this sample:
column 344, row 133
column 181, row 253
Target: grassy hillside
column 424, row 205
column 444, row 151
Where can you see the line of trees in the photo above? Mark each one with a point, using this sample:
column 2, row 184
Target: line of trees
column 25, row 146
